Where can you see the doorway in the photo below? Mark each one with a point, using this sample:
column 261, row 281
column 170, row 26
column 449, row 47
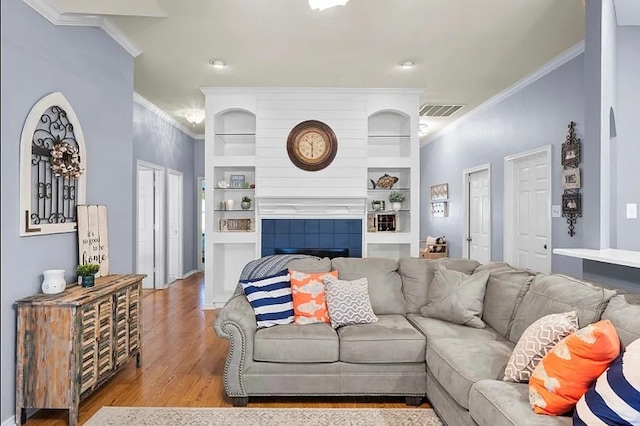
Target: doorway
column 201, row 210
column 150, row 224
column 174, row 225
column 527, row 214
column 476, row 242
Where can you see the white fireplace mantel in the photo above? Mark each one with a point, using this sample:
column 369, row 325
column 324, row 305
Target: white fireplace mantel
column 321, row 207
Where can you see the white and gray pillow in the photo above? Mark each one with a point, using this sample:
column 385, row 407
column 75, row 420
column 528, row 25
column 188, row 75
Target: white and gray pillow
column 348, row 301
column 536, row 341
column 457, row 297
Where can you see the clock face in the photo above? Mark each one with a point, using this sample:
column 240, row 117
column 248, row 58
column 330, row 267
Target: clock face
column 312, row 145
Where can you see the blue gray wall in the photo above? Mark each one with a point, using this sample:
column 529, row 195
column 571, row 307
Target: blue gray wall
column 627, row 145
column 158, row 142
column 535, row 116
column 96, row 75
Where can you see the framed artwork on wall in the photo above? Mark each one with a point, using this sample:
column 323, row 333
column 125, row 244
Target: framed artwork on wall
column 440, row 192
column 571, row 178
column 571, row 204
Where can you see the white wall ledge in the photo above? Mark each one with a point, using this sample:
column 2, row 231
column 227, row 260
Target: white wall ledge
column 618, row 257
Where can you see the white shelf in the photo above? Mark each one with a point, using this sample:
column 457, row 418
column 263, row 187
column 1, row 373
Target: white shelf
column 235, row 161
column 614, row 256
column 389, row 237
column 234, row 237
column 388, row 162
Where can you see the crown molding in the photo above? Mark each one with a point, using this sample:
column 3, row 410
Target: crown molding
column 558, row 61
column 56, row 17
column 142, row 101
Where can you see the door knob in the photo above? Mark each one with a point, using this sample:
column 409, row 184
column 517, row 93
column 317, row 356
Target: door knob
column 545, row 246
column 469, row 239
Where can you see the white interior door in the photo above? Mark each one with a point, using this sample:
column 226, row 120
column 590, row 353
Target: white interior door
column 146, row 234
column 201, row 208
column 174, row 225
column 530, row 215
column 479, row 223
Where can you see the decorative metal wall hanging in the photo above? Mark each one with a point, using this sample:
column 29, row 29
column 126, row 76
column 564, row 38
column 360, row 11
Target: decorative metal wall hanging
column 571, row 199
column 52, row 167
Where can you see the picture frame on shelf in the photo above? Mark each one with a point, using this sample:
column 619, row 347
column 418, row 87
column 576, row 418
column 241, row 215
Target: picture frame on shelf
column 440, row 192
column 236, row 181
column 571, row 178
column 236, row 225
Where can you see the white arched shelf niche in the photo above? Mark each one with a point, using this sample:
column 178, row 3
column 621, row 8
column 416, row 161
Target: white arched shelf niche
column 48, row 202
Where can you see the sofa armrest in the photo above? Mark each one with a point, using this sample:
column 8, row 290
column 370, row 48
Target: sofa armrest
column 236, row 322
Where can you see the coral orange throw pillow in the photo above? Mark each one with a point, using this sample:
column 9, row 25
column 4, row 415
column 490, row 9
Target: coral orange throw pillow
column 565, row 373
column 309, row 305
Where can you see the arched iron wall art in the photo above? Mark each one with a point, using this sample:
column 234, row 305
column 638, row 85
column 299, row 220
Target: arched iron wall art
column 571, row 199
column 53, row 162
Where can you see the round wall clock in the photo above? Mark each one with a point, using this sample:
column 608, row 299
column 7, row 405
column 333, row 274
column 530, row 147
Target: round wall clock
column 312, row 145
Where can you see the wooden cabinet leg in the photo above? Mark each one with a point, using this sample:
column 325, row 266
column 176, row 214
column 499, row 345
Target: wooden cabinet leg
column 21, row 416
column 138, row 360
column 413, row 401
column 73, row 416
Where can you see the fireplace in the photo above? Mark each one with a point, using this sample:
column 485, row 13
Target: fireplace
column 319, row 237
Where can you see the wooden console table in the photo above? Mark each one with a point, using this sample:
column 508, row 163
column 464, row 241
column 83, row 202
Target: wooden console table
column 68, row 344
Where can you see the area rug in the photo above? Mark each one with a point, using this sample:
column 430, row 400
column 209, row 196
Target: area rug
column 134, row 416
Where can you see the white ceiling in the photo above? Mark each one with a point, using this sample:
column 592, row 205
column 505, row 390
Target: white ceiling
column 465, row 50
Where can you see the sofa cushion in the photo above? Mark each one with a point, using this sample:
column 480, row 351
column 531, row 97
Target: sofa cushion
column 385, row 285
column 505, row 289
column 270, row 298
column 566, row 372
column 554, row 294
column 435, row 328
column 310, row 264
column 348, row 301
column 309, row 304
column 293, row 343
column 417, row 275
column 390, row 340
column 459, row 363
column 498, row 403
column 536, row 341
column 624, row 313
column 457, row 297
column 614, row 398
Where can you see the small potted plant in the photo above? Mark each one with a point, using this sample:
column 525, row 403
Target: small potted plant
column 246, row 203
column 87, row 273
column 396, row 198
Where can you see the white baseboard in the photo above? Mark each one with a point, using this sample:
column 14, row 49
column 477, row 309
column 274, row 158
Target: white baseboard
column 11, row 421
column 188, row 274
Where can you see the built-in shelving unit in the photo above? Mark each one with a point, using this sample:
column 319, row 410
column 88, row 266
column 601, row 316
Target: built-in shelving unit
column 234, row 239
column 392, row 149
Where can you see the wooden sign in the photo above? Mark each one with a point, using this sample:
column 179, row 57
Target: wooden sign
column 93, row 239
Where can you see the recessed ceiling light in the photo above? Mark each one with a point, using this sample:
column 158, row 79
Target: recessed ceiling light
column 217, row 63
column 407, row 64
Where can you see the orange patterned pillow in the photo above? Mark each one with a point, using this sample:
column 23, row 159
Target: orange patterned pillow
column 309, row 305
column 565, row 373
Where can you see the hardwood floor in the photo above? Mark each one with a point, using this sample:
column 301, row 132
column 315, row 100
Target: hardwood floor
column 183, row 363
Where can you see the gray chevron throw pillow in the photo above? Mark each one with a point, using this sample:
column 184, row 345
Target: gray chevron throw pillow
column 457, row 297
column 536, row 341
column 348, row 301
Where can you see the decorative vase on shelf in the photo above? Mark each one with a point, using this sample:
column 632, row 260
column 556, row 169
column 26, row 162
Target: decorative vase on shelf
column 246, row 205
column 396, row 206
column 87, row 280
column 53, row 282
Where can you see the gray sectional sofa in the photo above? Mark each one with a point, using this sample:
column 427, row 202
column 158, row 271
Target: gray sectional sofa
column 458, row 368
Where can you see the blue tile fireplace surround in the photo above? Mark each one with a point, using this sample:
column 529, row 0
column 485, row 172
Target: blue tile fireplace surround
column 296, row 235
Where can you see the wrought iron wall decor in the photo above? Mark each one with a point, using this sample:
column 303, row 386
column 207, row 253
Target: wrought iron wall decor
column 52, row 183
column 571, row 199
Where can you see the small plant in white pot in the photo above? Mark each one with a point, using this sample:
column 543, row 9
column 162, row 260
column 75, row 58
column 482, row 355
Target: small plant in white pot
column 396, row 198
column 245, row 203
column 87, row 274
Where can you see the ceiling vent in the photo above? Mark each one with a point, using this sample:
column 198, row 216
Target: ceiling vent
column 439, row 110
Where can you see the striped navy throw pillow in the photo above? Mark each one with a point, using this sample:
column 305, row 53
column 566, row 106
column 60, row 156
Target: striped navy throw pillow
column 270, row 298
column 614, row 398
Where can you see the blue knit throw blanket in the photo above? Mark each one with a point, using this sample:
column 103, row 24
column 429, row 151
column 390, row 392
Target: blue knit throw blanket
column 266, row 266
